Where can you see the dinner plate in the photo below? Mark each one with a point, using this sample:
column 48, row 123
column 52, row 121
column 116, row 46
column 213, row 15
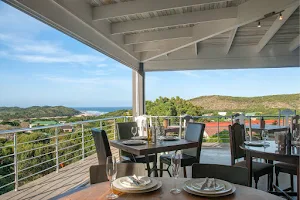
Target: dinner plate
column 139, row 138
column 155, row 185
column 198, row 185
column 190, row 184
column 134, row 142
column 256, row 143
column 210, row 195
column 168, row 138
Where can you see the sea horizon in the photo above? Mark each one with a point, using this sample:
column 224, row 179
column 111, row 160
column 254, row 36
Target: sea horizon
column 100, row 110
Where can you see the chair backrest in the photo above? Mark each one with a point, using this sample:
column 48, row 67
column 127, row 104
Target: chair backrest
column 102, row 145
column 233, row 174
column 194, row 132
column 124, row 132
column 237, row 138
column 295, row 124
column 98, row 172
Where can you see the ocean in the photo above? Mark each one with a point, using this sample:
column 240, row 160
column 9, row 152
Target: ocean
column 99, row 110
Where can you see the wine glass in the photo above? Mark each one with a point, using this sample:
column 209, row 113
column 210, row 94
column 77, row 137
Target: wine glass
column 134, row 131
column 265, row 136
column 111, row 172
column 176, row 165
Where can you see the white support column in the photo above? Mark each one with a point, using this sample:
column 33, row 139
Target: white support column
column 138, row 91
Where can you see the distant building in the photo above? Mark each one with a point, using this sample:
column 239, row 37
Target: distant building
column 67, row 129
column 222, row 113
column 208, row 114
column 42, row 123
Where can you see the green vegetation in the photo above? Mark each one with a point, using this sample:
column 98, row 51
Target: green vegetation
column 223, row 135
column 35, row 112
column 268, row 105
column 164, row 106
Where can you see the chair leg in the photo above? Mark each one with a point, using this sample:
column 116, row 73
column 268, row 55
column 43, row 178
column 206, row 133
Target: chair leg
column 161, row 165
column 292, row 182
column 169, row 171
column 270, row 181
column 256, row 181
column 277, row 182
column 184, row 172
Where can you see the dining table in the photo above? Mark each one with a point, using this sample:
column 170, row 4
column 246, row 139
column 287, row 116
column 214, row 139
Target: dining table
column 154, row 148
column 271, row 152
column 100, row 190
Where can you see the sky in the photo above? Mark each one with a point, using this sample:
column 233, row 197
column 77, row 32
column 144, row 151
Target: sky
column 42, row 66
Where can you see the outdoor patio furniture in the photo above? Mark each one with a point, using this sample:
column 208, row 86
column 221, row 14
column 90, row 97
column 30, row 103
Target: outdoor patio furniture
column 154, row 148
column 194, row 132
column 102, row 146
column 98, row 172
column 100, row 190
column 233, row 174
column 237, row 138
column 290, row 155
column 124, row 133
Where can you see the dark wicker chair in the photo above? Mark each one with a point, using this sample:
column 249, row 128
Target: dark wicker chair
column 124, row 132
column 194, row 132
column 98, row 172
column 236, row 175
column 286, row 167
column 237, row 138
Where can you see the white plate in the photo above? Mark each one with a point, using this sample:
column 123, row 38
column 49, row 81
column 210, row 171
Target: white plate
column 168, row 138
column 134, row 142
column 256, row 143
column 139, row 138
column 126, row 182
column 118, row 186
column 210, row 195
column 156, row 187
column 189, row 184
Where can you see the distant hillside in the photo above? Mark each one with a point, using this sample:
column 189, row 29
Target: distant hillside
column 266, row 104
column 36, row 112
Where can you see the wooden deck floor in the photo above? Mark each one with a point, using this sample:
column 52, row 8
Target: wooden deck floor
column 54, row 184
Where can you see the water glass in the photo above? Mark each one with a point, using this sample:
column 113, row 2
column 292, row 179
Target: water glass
column 176, row 165
column 111, row 172
column 134, row 130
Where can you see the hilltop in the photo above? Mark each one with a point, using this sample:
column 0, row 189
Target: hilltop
column 36, row 112
column 266, row 104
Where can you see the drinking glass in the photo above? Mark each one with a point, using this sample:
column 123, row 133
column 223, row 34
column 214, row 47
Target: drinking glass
column 111, row 172
column 134, row 131
column 176, row 165
column 265, row 136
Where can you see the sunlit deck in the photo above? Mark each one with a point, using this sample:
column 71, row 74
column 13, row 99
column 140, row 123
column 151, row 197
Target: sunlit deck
column 77, row 174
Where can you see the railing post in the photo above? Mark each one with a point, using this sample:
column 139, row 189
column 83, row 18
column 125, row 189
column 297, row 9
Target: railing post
column 125, row 119
column 180, row 127
column 114, row 128
column 218, row 129
column 250, row 129
column 56, row 149
column 150, row 120
column 101, row 124
column 82, row 140
column 16, row 162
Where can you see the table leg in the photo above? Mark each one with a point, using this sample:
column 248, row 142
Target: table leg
column 249, row 166
column 298, row 180
column 155, row 166
column 148, row 164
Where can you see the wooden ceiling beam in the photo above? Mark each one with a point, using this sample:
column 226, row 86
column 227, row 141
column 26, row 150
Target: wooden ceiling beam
column 144, row 6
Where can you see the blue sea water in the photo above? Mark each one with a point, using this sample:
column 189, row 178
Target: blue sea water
column 99, row 110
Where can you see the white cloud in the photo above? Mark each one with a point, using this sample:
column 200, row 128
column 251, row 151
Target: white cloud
column 32, row 51
column 189, row 73
column 101, row 65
